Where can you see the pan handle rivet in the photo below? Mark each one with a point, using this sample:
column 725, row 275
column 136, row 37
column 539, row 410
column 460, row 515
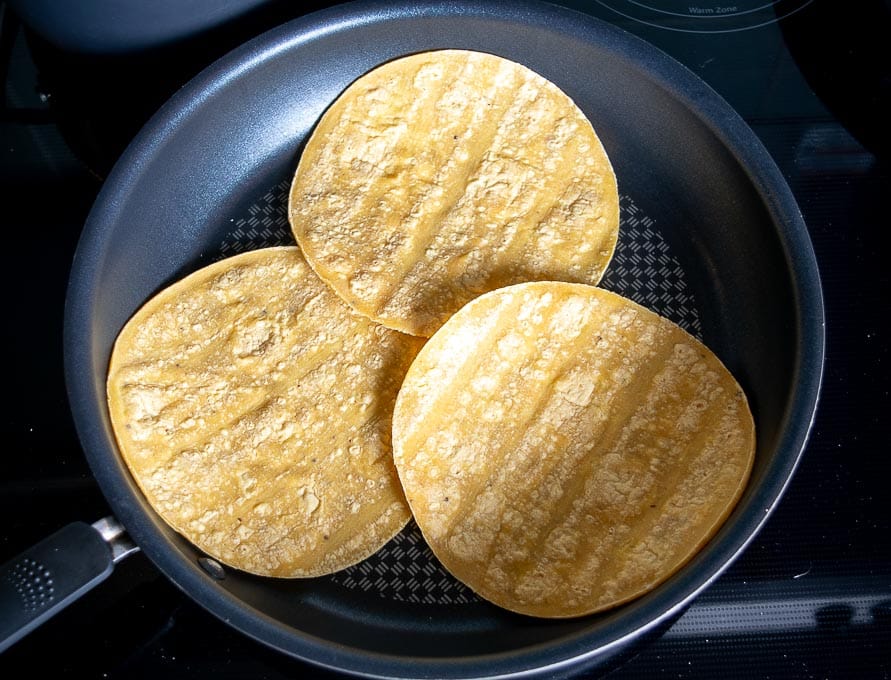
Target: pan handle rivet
column 212, row 567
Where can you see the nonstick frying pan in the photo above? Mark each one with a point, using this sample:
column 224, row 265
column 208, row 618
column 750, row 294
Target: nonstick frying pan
column 711, row 237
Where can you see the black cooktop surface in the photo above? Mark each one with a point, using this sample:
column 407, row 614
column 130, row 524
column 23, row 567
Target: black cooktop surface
column 810, row 597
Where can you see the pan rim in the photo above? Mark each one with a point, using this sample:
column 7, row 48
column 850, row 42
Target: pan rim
column 577, row 649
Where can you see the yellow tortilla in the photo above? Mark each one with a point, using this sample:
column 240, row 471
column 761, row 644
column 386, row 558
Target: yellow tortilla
column 440, row 176
column 565, row 450
column 253, row 408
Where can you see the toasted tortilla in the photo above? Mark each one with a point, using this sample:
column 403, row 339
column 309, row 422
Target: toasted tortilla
column 442, row 175
column 253, row 408
column 565, row 450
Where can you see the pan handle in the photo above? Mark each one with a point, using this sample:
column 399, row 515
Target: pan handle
column 49, row 576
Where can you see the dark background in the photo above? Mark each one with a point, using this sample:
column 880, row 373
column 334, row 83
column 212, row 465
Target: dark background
column 810, row 598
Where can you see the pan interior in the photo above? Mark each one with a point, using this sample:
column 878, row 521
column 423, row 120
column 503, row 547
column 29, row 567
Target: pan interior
column 405, row 572
column 699, row 243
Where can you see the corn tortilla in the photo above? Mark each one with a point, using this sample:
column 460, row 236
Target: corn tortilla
column 254, row 408
column 564, row 450
column 442, row 175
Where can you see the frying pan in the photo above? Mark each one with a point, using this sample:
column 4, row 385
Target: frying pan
column 711, row 237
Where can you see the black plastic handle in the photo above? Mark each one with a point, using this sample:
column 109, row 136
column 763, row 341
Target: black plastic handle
column 48, row 577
